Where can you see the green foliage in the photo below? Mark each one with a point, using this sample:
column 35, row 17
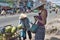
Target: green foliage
column 58, row 6
column 9, row 1
column 10, row 5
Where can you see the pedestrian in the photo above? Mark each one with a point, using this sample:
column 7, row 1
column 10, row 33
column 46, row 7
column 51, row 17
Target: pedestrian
column 26, row 26
column 24, row 7
column 40, row 33
column 29, row 5
column 56, row 10
column 3, row 12
column 21, row 7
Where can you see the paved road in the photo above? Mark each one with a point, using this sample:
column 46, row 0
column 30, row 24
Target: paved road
column 6, row 20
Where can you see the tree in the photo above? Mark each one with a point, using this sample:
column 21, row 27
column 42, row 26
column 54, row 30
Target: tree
column 11, row 1
column 58, row 6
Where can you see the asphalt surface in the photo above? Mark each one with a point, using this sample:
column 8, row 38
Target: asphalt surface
column 13, row 19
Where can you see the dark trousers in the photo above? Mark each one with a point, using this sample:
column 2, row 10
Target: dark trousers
column 29, row 34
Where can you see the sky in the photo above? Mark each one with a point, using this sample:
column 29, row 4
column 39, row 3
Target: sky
column 57, row 2
column 54, row 1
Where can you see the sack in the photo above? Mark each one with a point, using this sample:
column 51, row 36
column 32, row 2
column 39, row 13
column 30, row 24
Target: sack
column 22, row 33
column 34, row 28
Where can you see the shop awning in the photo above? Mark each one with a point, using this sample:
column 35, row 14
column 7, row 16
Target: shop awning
column 7, row 4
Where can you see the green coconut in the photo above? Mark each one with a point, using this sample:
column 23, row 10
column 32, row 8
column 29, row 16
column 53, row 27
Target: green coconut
column 8, row 29
column 13, row 30
column 19, row 26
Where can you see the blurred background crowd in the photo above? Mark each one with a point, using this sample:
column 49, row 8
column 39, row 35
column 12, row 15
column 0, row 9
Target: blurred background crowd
column 15, row 6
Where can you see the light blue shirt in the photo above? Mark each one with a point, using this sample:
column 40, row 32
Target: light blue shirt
column 25, row 23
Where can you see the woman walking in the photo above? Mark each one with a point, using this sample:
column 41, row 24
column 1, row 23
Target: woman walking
column 40, row 33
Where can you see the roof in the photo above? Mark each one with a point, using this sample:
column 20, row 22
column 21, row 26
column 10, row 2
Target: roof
column 6, row 4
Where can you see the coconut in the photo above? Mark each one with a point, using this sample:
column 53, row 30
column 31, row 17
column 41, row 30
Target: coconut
column 19, row 26
column 8, row 29
column 13, row 30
